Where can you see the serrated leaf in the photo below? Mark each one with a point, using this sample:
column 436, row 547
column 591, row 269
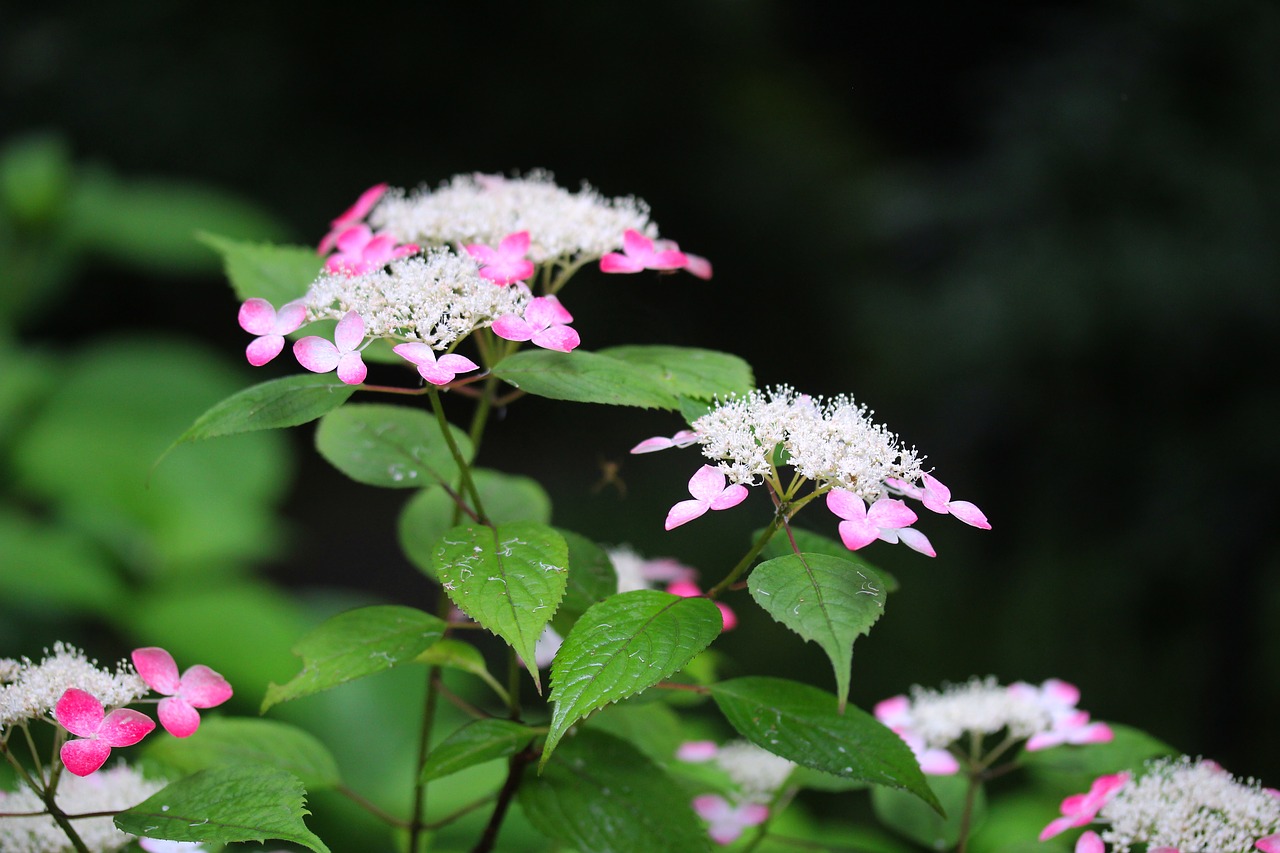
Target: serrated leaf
column 621, row 646
column 475, row 743
column 826, row 600
column 687, row 371
column 510, row 579
column 430, row 513
column 238, row 741
column 815, row 543
column 584, row 377
column 600, row 793
column 354, row 644
column 801, row 723
column 225, row 804
column 392, row 446
column 592, row 578
column 275, row 404
column 278, row 274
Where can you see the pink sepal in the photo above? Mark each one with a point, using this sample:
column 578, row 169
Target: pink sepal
column 203, row 687
column 912, row 538
column 1270, row 844
column 698, row 266
column 258, row 317
column 79, row 712
column 726, row 821
column 710, row 492
column 1089, row 842
column 697, row 751
column 157, row 668
column 558, row 338
column 507, row 263
column 320, row 356
column 437, row 372
column 178, row 716
column 83, row 757
column 937, row 497
column 316, row 354
column 351, row 216
column 895, row 710
column 512, row 328
column 689, row 589
column 263, row 349
column 683, row 438
column 639, row 253
column 543, row 323
column 351, row 368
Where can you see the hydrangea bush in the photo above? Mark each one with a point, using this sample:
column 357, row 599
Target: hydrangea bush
column 440, row 306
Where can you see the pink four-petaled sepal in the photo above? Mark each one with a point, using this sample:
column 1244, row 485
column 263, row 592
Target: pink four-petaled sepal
column 689, row 589
column 709, row 492
column 82, row 714
column 861, row 526
column 1080, row 809
column 725, row 820
column 361, row 251
column 683, row 438
column 320, row 356
column 639, row 253
column 507, row 263
column 198, row 687
column 545, row 322
column 351, row 216
column 437, row 371
column 937, row 497
column 259, row 317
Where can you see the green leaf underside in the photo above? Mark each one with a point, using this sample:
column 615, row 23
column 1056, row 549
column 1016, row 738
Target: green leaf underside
column 475, row 743
column 455, row 654
column 826, row 600
column 354, row 644
column 510, row 579
column 430, row 513
column 592, row 578
column 917, row 821
column 621, row 646
column 600, row 793
column 810, row 542
column 239, row 741
column 701, row 374
column 801, row 723
column 275, row 404
column 391, row 446
column 225, row 804
column 584, row 377
column 278, row 274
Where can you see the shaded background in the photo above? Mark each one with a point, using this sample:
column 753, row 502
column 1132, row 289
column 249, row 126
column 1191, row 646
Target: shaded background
column 1038, row 239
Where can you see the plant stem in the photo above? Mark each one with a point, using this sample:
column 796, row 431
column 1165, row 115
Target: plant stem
column 424, row 748
column 748, row 558
column 515, row 772
column 463, row 468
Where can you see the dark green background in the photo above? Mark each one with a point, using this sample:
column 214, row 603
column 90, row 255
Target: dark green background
column 1040, row 240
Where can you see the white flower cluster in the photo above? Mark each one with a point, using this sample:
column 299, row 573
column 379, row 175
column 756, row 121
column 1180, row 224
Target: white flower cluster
column 757, row 772
column 112, row 790
column 831, row 441
column 486, row 208
column 942, row 717
column 1193, row 806
column 30, row 690
column 435, row 299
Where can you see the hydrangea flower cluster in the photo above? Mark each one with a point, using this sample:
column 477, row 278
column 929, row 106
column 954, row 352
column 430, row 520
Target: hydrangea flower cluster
column 1175, row 806
column 485, row 236
column 755, row 774
column 833, row 443
column 932, row 720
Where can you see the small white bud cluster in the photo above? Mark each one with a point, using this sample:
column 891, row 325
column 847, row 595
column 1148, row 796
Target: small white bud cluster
column 112, row 790
column 831, row 441
column 757, row 772
column 942, row 717
column 485, row 208
column 1193, row 806
column 30, row 690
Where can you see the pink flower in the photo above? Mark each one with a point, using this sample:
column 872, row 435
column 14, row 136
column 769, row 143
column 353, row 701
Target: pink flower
column 728, row 821
column 697, row 751
column 544, row 323
column 1079, row 809
column 862, row 527
column 639, row 253
column 351, row 216
column 1073, row 728
column 937, row 497
column 709, row 492
column 439, row 371
column 259, row 317
column 320, row 356
column 199, row 687
column 361, row 251
column 83, row 715
column 1089, row 842
column 683, row 438
column 694, row 264
column 507, row 263
column 689, row 589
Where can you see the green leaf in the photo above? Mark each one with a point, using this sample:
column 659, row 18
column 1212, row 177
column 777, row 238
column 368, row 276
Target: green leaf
column 462, row 656
column 238, row 741
column 391, row 446
column 354, row 644
column 601, row 794
column 430, row 513
column 915, row 820
column 801, row 723
column 689, row 372
column 278, row 274
column 475, row 743
column 826, row 600
column 226, row 804
column 277, row 403
column 621, row 646
column 584, row 377
column 510, row 579
column 815, row 543
column 591, row 578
